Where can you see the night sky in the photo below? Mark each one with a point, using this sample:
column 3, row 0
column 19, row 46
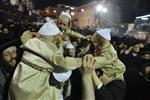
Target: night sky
column 129, row 8
column 42, row 3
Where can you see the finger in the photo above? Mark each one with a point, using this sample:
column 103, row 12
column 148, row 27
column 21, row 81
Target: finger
column 88, row 60
column 91, row 59
column 94, row 63
column 84, row 61
column 88, row 38
column 91, row 63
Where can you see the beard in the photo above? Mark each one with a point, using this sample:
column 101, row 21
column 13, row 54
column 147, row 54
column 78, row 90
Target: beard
column 12, row 62
column 10, row 65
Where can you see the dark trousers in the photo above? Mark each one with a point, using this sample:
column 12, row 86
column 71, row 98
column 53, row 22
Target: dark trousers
column 115, row 90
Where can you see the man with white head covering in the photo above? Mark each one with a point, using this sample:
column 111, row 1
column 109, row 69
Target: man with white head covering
column 108, row 76
column 105, row 33
column 64, row 77
column 42, row 56
column 70, row 50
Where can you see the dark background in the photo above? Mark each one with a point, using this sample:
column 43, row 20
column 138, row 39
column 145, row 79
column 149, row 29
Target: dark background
column 129, row 8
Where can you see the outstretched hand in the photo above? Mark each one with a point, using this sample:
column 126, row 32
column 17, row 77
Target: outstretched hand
column 88, row 64
column 88, row 38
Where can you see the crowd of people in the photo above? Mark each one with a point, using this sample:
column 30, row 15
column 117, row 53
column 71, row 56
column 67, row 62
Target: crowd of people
column 53, row 62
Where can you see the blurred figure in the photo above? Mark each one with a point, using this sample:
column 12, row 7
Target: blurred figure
column 5, row 31
column 75, row 44
column 42, row 56
column 1, row 32
column 145, row 71
column 70, row 50
column 8, row 61
column 64, row 77
column 1, row 26
column 109, row 81
column 138, row 83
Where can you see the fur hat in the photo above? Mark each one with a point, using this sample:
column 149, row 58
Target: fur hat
column 6, row 42
column 105, row 33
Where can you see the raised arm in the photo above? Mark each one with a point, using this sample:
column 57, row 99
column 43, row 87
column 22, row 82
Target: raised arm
column 74, row 34
column 87, row 84
column 68, row 63
column 106, row 57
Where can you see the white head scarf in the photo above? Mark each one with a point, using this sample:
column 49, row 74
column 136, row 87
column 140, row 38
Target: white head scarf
column 105, row 33
column 69, row 46
column 49, row 29
column 48, row 19
column 66, row 13
column 62, row 77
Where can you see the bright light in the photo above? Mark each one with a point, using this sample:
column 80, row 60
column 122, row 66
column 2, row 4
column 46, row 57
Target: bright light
column 54, row 11
column 82, row 10
column 72, row 8
column 72, row 13
column 99, row 8
column 67, row 6
column 104, row 10
column 144, row 18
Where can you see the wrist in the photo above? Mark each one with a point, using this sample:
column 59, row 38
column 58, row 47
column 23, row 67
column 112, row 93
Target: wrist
column 86, row 75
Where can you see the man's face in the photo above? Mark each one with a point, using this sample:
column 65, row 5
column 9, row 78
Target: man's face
column 95, row 40
column 74, row 44
column 71, row 52
column 63, row 22
column 147, row 72
column 9, row 56
column 136, row 48
column 5, row 31
column 1, row 26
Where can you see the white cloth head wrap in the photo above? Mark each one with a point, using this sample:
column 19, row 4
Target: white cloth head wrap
column 48, row 19
column 105, row 33
column 69, row 46
column 66, row 13
column 62, row 77
column 49, row 29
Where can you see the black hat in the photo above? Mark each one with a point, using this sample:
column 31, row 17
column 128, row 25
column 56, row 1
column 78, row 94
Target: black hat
column 6, row 42
column 145, row 64
column 146, row 49
column 131, row 41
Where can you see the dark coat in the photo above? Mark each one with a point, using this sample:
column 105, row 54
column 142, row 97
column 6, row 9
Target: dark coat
column 5, row 78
